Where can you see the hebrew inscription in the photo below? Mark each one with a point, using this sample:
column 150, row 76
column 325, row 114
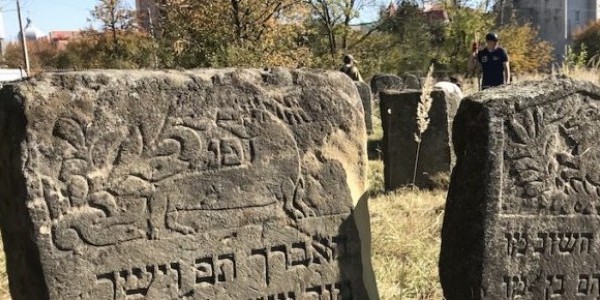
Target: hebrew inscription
column 200, row 185
column 527, row 185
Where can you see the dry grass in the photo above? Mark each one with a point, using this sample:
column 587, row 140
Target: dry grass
column 4, row 293
column 588, row 74
column 406, row 240
column 585, row 74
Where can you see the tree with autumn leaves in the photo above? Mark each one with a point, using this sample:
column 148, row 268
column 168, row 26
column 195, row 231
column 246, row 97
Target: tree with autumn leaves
column 289, row 33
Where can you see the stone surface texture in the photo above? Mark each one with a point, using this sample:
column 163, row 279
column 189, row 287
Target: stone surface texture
column 367, row 101
column 399, row 121
column 523, row 210
column 208, row 184
column 382, row 82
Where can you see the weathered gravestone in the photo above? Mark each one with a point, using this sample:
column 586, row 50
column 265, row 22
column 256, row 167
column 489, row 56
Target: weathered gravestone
column 523, row 210
column 411, row 81
column 232, row 184
column 399, row 121
column 382, row 82
column 365, row 95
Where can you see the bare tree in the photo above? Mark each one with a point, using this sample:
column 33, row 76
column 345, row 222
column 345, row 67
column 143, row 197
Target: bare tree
column 115, row 16
column 338, row 16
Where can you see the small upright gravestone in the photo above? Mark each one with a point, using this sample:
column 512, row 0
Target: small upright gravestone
column 366, row 96
column 523, row 210
column 399, row 121
column 411, row 81
column 382, row 82
column 232, row 184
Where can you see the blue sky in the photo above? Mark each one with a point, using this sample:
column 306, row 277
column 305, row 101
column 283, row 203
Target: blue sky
column 51, row 15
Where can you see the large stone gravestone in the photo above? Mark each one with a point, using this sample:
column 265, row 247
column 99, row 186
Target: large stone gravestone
column 366, row 96
column 382, row 82
column 399, row 121
column 522, row 217
column 202, row 185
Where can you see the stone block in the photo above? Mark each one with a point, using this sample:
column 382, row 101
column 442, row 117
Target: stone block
column 399, row 121
column 521, row 219
column 367, row 101
column 382, row 82
column 211, row 184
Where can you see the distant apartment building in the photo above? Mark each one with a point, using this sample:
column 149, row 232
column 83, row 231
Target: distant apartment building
column 60, row 39
column 435, row 13
column 146, row 13
column 556, row 20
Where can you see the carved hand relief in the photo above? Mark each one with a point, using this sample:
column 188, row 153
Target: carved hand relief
column 113, row 184
column 549, row 153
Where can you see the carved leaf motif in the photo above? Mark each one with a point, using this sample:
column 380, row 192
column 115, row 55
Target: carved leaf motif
column 105, row 151
column 133, row 186
column 538, row 120
column 519, row 132
column 527, row 163
column 552, row 166
column 132, row 147
column 78, row 190
column 70, row 131
column 73, row 166
column 531, row 125
column 585, row 193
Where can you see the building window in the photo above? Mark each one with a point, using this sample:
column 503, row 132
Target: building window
column 577, row 16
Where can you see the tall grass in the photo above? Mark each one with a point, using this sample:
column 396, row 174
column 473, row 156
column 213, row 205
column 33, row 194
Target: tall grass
column 423, row 108
column 405, row 229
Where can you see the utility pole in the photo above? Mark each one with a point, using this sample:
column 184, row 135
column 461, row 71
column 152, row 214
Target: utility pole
column 566, row 27
column 23, row 39
column 151, row 23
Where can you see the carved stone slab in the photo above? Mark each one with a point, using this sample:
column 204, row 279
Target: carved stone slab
column 367, row 101
column 523, row 211
column 212, row 184
column 399, row 121
column 382, row 82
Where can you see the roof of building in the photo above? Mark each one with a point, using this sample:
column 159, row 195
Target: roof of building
column 433, row 12
column 436, row 12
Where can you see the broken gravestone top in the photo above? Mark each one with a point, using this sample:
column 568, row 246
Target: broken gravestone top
column 382, row 82
column 522, row 215
column 211, row 184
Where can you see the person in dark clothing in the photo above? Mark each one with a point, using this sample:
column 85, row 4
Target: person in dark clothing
column 350, row 68
column 493, row 63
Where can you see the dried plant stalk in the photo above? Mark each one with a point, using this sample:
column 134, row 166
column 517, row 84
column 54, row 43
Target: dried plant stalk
column 423, row 108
